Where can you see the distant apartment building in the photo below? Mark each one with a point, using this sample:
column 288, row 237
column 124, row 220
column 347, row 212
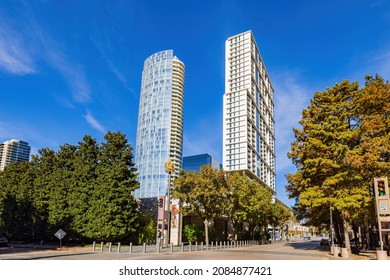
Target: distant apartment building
column 193, row 163
column 248, row 111
column 160, row 123
column 13, row 151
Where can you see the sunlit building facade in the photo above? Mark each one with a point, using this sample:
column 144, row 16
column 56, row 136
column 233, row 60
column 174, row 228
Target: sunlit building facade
column 13, row 151
column 248, row 112
column 160, row 123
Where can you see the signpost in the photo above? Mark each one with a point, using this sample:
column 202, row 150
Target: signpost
column 382, row 203
column 60, row 234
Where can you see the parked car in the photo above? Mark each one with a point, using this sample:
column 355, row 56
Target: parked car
column 324, row 242
column 306, row 238
column 3, row 241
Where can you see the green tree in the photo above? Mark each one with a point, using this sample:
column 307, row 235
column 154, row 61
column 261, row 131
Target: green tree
column 43, row 166
column 192, row 233
column 325, row 176
column 83, row 184
column 249, row 201
column 87, row 190
column 372, row 156
column 278, row 216
column 203, row 194
column 16, row 209
column 113, row 210
column 147, row 228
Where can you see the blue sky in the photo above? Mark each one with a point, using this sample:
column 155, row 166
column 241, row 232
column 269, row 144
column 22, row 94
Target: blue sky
column 70, row 68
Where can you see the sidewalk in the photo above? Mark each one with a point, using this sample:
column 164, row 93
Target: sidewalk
column 363, row 255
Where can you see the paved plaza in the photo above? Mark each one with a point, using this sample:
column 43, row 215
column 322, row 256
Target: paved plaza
column 298, row 250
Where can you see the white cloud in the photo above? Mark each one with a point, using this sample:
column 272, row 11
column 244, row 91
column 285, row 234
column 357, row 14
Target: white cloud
column 15, row 58
column 23, row 45
column 291, row 97
column 72, row 73
column 113, row 68
column 94, row 123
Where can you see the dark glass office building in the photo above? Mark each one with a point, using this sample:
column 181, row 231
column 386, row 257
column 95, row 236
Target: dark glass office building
column 193, row 163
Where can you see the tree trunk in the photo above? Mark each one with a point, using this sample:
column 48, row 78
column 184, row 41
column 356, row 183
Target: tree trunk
column 346, row 233
column 206, row 231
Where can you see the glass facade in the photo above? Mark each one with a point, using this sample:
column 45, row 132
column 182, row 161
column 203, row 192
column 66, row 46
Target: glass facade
column 193, row 163
column 160, row 122
column 13, row 151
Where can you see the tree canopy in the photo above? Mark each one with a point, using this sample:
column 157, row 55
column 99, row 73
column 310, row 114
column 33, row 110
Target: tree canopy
column 213, row 193
column 85, row 189
column 342, row 143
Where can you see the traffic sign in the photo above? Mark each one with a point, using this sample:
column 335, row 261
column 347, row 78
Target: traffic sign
column 60, row 234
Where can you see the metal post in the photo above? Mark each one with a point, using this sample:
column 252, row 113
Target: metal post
column 331, row 227
column 109, row 247
column 182, row 247
column 196, row 246
column 101, row 247
column 131, row 248
column 93, row 246
column 169, row 168
column 144, row 248
column 119, row 247
column 190, row 247
column 171, row 247
column 201, row 246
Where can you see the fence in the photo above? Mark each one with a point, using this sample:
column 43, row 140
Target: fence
column 184, row 247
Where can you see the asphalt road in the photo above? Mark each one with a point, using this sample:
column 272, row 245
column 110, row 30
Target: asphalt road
column 296, row 250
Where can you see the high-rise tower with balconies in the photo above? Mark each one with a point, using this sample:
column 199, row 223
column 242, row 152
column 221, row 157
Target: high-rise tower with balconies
column 248, row 112
column 160, row 123
column 13, row 151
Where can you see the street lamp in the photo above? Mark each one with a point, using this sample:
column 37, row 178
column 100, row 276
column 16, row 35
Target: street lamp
column 169, row 168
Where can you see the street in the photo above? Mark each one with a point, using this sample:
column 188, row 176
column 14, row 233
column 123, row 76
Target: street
column 295, row 250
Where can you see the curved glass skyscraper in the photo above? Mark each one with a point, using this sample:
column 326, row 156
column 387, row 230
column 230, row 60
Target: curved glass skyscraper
column 160, row 122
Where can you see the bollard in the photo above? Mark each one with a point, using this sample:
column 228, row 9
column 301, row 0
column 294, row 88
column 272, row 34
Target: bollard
column 101, row 247
column 190, row 247
column 131, row 248
column 93, row 246
column 109, row 247
column 196, row 246
column 144, row 248
column 212, row 245
column 171, row 247
column 158, row 249
column 224, row 244
column 207, row 246
column 201, row 246
column 119, row 247
column 182, row 247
